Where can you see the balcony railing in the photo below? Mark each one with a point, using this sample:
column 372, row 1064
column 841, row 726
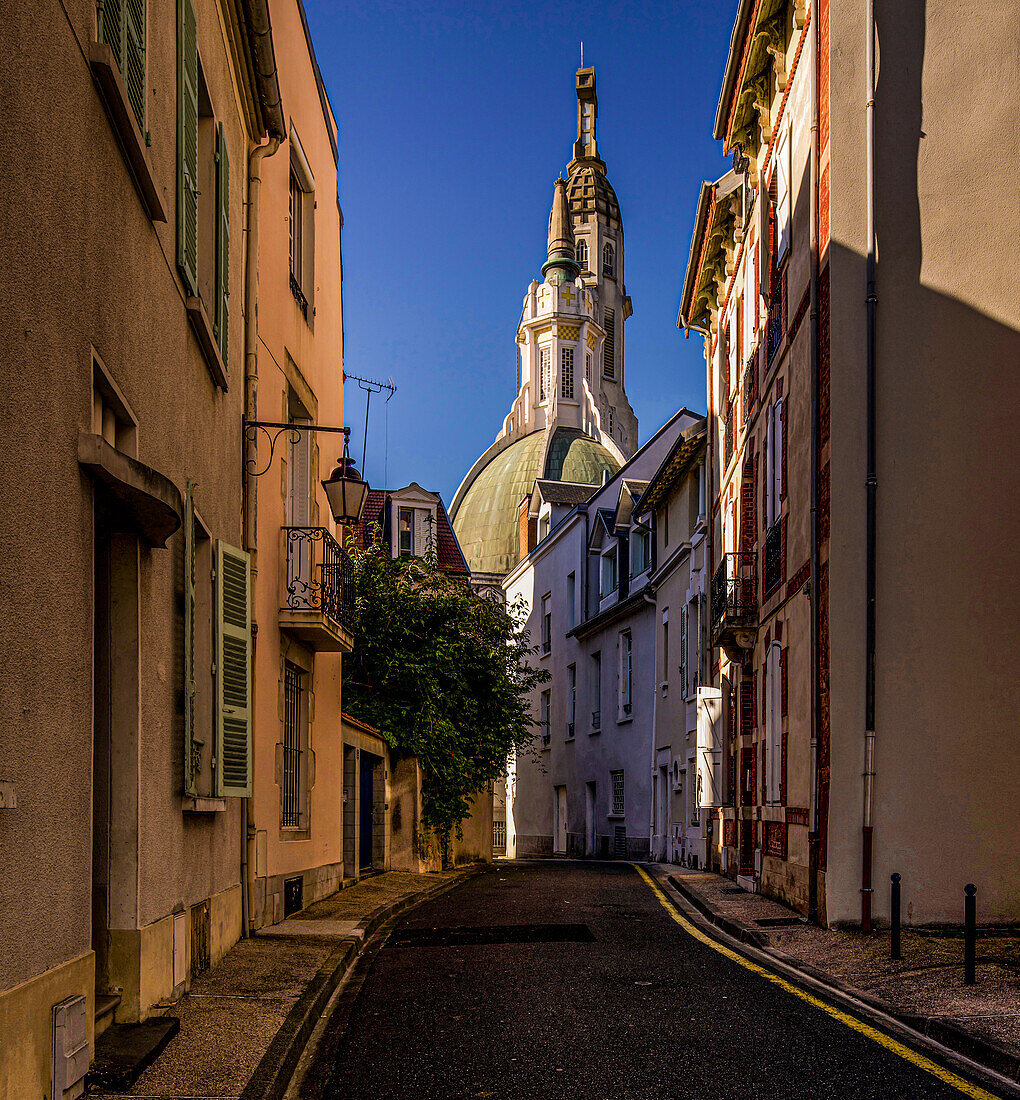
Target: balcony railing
column 596, row 719
column 776, row 329
column 319, row 582
column 728, row 436
column 773, row 557
column 546, row 736
column 750, row 385
column 734, row 592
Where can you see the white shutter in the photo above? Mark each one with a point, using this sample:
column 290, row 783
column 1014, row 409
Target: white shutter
column 734, row 342
column 777, row 456
column 783, row 195
column 298, row 471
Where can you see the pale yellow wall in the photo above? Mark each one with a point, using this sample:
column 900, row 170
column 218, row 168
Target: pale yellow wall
column 309, row 357
column 948, row 307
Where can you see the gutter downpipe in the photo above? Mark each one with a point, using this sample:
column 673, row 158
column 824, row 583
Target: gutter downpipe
column 649, row 598
column 250, row 498
column 871, row 487
column 814, row 839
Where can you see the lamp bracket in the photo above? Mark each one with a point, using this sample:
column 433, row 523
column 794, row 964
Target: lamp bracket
column 272, row 430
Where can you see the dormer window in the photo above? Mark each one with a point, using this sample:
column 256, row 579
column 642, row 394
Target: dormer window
column 640, row 550
column 581, row 254
column 609, row 262
column 405, row 532
column 609, row 572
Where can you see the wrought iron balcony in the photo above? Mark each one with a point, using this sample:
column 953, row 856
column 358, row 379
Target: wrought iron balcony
column 776, row 328
column 750, row 385
column 735, row 601
column 728, row 436
column 318, row 596
column 773, row 558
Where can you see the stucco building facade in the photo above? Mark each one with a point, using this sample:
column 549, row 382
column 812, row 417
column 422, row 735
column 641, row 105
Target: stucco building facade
column 861, row 609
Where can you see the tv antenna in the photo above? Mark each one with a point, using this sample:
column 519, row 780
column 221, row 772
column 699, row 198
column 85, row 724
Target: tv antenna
column 370, row 386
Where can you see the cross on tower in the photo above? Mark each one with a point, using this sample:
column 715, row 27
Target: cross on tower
column 569, row 295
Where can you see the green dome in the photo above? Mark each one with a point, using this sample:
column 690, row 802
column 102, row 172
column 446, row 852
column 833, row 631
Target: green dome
column 486, row 520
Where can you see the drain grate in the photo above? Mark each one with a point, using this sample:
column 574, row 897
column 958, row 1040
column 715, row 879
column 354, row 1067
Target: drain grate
column 491, row 934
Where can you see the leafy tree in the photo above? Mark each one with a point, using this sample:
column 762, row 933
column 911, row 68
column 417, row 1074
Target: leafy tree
column 442, row 673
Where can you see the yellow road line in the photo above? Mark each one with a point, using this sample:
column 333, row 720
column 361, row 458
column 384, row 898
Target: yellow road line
column 872, row 1033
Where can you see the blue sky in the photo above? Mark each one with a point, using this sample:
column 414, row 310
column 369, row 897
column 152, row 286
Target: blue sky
column 454, row 122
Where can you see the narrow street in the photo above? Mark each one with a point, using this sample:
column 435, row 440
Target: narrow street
column 601, row 994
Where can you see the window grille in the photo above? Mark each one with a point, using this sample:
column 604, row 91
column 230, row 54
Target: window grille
column 544, row 364
column 546, row 625
column 499, row 835
column 608, row 262
column 587, row 367
column 618, row 799
column 609, row 347
column 567, row 373
column 545, row 718
column 293, row 690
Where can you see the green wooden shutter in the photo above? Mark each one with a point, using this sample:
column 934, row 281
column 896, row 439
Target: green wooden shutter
column 192, row 748
column 222, row 241
column 233, row 672
column 111, row 29
column 133, row 68
column 187, row 145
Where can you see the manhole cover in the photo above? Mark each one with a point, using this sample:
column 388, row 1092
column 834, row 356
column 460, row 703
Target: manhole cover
column 491, row 934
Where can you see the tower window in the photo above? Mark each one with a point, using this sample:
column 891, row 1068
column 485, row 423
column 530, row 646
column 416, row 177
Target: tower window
column 587, row 366
column 544, row 364
column 582, row 254
column 567, row 373
column 609, row 347
column 608, row 262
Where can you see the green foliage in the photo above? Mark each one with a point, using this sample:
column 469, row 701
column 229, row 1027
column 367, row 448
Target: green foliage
column 442, row 673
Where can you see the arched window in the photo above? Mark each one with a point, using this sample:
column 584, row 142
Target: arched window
column 608, row 262
column 582, row 254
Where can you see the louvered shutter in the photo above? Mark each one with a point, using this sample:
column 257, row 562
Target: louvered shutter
column 111, row 29
column 133, row 69
column 233, row 673
column 222, row 241
column 187, row 145
column 683, row 651
column 191, row 748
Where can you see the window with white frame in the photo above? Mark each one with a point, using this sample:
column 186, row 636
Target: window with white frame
column 609, row 578
column 405, row 532
column 544, row 521
column 544, row 371
column 619, row 804
column 626, row 674
column 302, row 227
column 773, row 723
column 546, row 707
column 581, row 254
column 571, row 698
column 546, row 623
column 665, row 645
column 567, row 373
column 733, row 346
column 783, row 195
column 640, row 550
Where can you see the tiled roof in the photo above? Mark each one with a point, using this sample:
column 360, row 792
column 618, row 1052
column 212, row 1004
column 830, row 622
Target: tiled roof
column 674, row 466
column 565, row 492
column 448, row 552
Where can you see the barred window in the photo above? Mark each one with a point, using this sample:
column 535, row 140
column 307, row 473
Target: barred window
column 609, row 347
column 618, row 801
column 544, row 365
column 567, row 373
column 293, row 721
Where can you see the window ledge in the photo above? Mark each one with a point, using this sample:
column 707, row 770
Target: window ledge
column 616, row 817
column 198, row 805
column 594, row 733
column 624, row 719
column 207, row 341
column 107, row 76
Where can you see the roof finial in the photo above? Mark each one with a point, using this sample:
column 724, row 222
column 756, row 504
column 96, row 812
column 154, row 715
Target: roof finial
column 582, row 53
column 561, row 256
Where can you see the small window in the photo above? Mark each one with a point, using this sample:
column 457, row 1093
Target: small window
column 571, row 698
column 596, row 690
column 640, row 551
column 546, row 625
column 609, row 262
column 302, row 228
column 665, row 645
column 405, row 532
column 609, row 578
column 587, row 367
column 544, row 722
column 567, row 373
column 619, row 805
column 582, row 254
column 544, row 371
column 609, row 347
column 571, row 599
column 684, row 628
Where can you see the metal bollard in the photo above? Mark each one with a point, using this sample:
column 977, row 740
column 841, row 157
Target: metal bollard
column 894, row 952
column 969, row 932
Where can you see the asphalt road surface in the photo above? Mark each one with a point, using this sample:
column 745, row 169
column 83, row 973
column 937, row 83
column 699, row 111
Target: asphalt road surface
column 567, row 980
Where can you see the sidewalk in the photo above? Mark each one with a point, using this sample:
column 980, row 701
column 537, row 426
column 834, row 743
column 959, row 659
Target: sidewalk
column 924, row 989
column 245, row 1022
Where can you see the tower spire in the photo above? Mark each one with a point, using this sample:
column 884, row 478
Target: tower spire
column 560, row 254
column 586, row 145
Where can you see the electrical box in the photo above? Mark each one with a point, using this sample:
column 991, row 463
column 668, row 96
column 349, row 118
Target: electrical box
column 70, row 1048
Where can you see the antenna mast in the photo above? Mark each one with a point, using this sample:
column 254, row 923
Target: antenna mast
column 370, row 386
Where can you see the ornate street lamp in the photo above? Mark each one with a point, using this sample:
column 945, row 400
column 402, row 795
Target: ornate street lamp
column 346, row 490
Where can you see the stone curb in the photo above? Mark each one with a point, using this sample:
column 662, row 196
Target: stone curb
column 274, row 1071
column 949, row 1034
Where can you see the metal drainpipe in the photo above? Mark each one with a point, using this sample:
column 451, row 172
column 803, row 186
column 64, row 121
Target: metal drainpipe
column 814, row 839
column 250, row 457
column 649, row 597
column 871, row 485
